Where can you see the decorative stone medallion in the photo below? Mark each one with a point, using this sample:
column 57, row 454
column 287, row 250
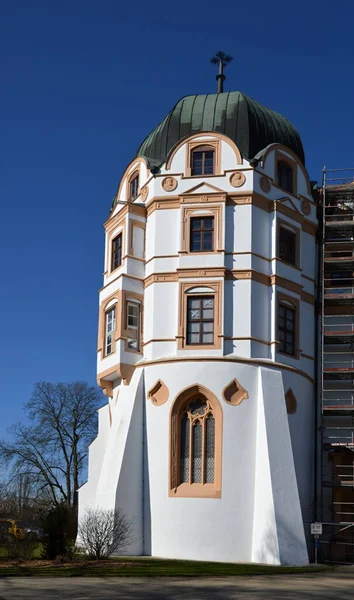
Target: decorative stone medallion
column 264, row 184
column 144, row 193
column 237, row 179
column 305, row 207
column 169, row 184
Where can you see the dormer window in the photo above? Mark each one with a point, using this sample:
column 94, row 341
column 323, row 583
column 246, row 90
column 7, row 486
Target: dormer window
column 285, row 175
column 203, row 161
column 134, row 187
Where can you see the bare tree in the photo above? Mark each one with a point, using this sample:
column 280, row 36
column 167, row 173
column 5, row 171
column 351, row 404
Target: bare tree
column 51, row 451
column 8, row 502
column 103, row 532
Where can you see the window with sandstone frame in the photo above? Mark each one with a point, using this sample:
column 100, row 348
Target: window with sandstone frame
column 200, row 315
column 110, row 327
column 285, row 175
column 133, row 326
column 202, row 234
column 203, row 161
column 133, row 187
column 196, row 434
column 202, row 229
column 288, row 325
column 288, row 243
column 116, row 259
column 200, row 320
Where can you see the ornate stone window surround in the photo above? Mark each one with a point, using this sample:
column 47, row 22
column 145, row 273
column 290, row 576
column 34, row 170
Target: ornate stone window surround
column 294, row 303
column 285, row 225
column 207, row 288
column 194, row 490
column 280, row 157
column 215, row 211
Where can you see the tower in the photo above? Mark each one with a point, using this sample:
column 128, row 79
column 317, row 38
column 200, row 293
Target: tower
column 206, row 338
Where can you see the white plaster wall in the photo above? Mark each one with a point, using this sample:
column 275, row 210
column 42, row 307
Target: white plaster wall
column 96, row 450
column 260, row 325
column 200, row 261
column 167, row 232
column 207, row 529
column 261, row 232
column 164, row 312
column 242, row 228
column 285, row 505
column 309, row 253
column 307, row 330
column 242, row 308
column 184, row 527
column 301, row 425
column 120, row 482
column 162, row 265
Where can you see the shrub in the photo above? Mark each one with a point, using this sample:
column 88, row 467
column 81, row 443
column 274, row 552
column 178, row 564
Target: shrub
column 21, row 547
column 59, row 527
column 103, row 532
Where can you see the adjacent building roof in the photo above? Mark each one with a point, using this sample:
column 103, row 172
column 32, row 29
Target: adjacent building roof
column 249, row 124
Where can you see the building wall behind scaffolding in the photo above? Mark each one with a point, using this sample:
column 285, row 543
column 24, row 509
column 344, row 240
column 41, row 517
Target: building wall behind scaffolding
column 337, row 357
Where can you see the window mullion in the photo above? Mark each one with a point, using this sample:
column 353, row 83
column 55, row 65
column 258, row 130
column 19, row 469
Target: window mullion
column 203, row 450
column 190, row 450
column 201, row 321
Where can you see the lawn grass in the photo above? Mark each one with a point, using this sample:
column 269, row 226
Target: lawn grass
column 152, row 567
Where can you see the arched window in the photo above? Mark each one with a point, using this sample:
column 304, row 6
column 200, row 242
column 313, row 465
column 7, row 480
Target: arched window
column 285, row 175
column 196, row 444
column 197, row 447
column 134, row 187
column 203, row 160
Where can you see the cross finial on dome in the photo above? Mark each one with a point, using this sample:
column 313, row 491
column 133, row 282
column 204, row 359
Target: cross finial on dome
column 222, row 60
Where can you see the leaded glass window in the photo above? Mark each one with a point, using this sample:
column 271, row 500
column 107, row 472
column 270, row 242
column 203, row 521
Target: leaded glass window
column 197, row 452
column 197, row 442
column 184, row 454
column 210, row 449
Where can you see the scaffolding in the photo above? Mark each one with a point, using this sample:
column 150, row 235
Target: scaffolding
column 337, row 359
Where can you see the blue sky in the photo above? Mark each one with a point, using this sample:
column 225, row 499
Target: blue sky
column 81, row 84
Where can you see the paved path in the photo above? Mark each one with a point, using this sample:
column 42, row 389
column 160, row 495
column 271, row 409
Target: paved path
column 336, row 585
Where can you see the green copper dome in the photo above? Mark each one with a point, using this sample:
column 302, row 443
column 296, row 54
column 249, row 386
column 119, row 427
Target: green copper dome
column 249, row 124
